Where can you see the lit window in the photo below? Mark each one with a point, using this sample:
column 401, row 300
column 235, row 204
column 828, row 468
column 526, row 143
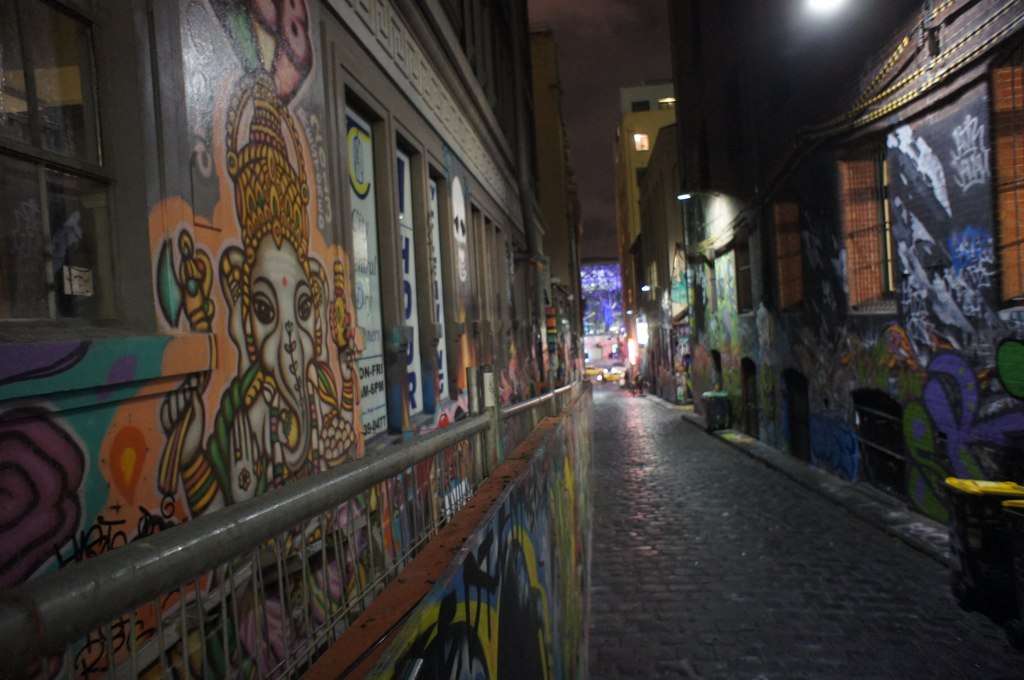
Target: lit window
column 642, row 141
column 1007, row 85
column 54, row 218
column 867, row 226
column 789, row 268
column 666, row 103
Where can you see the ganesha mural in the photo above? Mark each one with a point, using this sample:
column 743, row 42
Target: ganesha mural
column 288, row 410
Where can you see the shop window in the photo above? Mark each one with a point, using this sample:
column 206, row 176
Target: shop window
column 409, row 299
column 437, row 290
column 867, row 229
column 1008, row 136
column 789, row 263
column 366, row 265
column 54, row 214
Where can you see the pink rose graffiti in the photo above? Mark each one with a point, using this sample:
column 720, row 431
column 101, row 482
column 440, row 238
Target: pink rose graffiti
column 41, row 469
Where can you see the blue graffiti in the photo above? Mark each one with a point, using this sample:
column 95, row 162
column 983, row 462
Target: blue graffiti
column 834, row 446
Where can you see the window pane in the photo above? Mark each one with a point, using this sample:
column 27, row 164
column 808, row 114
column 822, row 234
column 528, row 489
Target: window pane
column 62, row 66
column 23, row 272
column 410, row 310
column 78, row 223
column 14, row 119
column 367, row 274
column 438, row 291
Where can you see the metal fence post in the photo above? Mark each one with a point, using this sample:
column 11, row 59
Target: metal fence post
column 490, row 390
column 473, row 389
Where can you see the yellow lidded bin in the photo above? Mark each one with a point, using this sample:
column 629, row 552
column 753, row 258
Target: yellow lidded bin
column 981, row 573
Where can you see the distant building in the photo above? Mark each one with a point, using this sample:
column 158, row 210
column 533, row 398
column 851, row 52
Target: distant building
column 663, row 299
column 644, row 111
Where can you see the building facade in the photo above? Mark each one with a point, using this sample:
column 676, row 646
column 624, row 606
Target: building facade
column 560, row 207
column 242, row 243
column 853, row 233
column 644, row 111
column 665, row 302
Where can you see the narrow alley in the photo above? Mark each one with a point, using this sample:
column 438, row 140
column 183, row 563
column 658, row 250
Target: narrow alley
column 708, row 564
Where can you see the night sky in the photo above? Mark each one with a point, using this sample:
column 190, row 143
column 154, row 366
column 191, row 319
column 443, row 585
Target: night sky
column 602, row 45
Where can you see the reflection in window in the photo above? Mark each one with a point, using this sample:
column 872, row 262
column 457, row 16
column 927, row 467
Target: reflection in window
column 54, row 226
column 48, row 91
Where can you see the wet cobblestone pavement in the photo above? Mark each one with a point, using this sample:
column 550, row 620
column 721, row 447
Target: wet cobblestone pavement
column 709, row 564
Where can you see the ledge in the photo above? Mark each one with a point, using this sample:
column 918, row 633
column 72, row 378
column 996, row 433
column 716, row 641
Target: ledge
column 83, row 370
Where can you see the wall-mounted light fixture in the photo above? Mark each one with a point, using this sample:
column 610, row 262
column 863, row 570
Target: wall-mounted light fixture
column 684, row 197
column 645, row 288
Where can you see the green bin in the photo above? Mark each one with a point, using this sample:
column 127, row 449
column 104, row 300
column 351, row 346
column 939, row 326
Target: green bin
column 981, row 575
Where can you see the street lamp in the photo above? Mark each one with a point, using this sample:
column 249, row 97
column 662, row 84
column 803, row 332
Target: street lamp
column 824, row 5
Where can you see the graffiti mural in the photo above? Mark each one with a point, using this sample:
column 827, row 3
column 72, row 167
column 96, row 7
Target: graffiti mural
column 267, row 359
column 955, row 430
column 288, row 409
column 43, row 467
column 947, row 353
column 511, row 606
column 942, row 223
column 602, row 290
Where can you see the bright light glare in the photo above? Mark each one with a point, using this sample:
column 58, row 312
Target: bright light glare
column 645, row 288
column 683, row 197
column 824, row 5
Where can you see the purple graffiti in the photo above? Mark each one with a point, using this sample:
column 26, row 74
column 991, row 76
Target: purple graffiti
column 953, row 398
column 121, row 371
column 41, row 469
column 33, row 361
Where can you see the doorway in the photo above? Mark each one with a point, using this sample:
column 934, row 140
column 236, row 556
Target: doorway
column 879, row 421
column 798, row 413
column 751, row 415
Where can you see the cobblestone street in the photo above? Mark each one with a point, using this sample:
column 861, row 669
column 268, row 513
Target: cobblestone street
column 709, row 564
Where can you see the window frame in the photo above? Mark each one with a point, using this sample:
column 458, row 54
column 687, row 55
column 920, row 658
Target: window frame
column 127, row 71
column 48, row 165
column 872, row 279
column 1007, row 88
column 789, row 259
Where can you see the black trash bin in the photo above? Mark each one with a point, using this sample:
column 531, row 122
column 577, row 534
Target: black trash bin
column 981, row 575
column 1013, row 511
column 716, row 410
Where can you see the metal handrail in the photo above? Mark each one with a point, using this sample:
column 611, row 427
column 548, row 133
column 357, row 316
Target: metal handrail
column 44, row 615
column 530, row 404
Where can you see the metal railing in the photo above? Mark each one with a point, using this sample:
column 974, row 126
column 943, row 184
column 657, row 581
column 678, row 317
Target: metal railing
column 261, row 588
